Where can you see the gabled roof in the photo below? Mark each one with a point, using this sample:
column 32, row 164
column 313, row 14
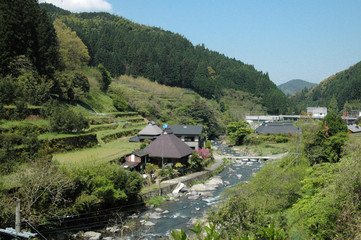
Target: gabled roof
column 276, row 128
column 168, row 146
column 186, row 129
column 150, row 130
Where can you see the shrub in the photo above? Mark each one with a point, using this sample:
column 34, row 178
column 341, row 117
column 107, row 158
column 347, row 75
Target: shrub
column 120, row 104
column 21, row 111
column 66, row 121
column 195, row 161
column 208, row 144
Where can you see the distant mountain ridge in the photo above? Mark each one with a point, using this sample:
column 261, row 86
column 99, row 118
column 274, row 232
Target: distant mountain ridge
column 295, row 85
column 344, row 87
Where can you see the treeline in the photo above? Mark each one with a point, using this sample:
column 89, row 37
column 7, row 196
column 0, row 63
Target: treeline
column 344, row 87
column 314, row 195
column 124, row 47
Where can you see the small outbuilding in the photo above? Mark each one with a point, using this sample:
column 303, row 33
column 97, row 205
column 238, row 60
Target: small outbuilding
column 136, row 160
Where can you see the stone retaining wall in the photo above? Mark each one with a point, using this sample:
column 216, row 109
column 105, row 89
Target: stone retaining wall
column 169, row 188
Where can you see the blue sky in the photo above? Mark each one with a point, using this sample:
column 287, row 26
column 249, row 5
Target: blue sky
column 309, row 40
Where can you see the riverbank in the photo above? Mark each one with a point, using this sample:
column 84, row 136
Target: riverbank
column 166, row 187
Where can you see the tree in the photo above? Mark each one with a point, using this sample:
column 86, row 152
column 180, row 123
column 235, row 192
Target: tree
column 195, row 161
column 237, row 131
column 106, row 78
column 27, row 31
column 333, row 105
column 63, row 120
column 72, row 50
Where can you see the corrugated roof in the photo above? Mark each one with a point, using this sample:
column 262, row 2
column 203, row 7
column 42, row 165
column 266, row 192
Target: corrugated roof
column 354, row 128
column 186, row 129
column 150, row 130
column 276, row 128
column 168, row 146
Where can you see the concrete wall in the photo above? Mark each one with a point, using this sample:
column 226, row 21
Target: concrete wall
column 169, row 188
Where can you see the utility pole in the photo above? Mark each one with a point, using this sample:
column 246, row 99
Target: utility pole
column 17, row 216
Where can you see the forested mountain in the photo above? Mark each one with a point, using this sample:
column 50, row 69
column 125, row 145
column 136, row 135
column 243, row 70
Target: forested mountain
column 295, row 85
column 343, row 88
column 124, row 47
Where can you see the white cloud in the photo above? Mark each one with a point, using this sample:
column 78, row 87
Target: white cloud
column 81, row 5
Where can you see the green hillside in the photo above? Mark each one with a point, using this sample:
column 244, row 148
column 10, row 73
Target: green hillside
column 344, row 87
column 124, row 47
column 296, row 85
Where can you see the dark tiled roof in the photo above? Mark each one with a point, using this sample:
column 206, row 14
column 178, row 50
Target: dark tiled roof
column 186, row 129
column 276, row 128
column 168, row 146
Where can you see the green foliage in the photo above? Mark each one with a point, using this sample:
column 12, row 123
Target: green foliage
column 271, row 233
column 16, row 149
column 256, row 139
column 124, row 47
column 7, row 90
column 178, row 234
column 157, row 200
column 326, row 144
column 63, row 120
column 334, row 91
column 208, row 144
column 195, row 161
column 109, row 185
column 120, row 103
column 26, row 30
column 72, row 50
column 237, row 131
column 106, row 78
column 21, row 110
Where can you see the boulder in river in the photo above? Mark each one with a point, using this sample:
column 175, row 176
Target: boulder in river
column 149, row 224
column 206, row 194
column 193, row 197
column 92, row 235
column 155, row 215
column 203, row 188
column 214, row 181
column 178, row 188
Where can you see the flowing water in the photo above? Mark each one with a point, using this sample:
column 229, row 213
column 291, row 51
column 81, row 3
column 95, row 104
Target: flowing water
column 181, row 213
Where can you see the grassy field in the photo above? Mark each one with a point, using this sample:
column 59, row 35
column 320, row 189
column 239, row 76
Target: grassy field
column 97, row 155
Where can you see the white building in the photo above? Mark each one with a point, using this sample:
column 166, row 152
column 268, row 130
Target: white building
column 317, row 112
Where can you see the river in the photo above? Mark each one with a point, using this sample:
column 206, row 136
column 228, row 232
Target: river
column 181, row 213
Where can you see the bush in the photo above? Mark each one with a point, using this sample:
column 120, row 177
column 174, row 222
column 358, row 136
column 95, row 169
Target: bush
column 208, row 144
column 195, row 161
column 66, row 121
column 120, row 104
column 21, row 110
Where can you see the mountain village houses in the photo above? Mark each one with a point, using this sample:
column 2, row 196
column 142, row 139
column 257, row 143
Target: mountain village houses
column 173, row 144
